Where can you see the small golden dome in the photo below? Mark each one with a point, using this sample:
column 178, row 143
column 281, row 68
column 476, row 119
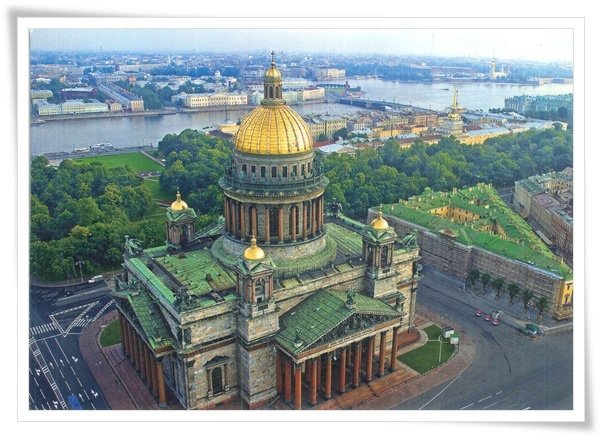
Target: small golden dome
column 272, row 75
column 379, row 223
column 178, row 205
column 273, row 130
column 254, row 253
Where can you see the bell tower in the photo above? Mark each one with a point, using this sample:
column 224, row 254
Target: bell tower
column 378, row 252
column 180, row 227
column 257, row 323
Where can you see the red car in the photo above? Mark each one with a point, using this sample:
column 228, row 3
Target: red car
column 488, row 317
column 478, row 313
column 495, row 322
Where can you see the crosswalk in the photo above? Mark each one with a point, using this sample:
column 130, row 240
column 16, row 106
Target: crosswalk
column 49, row 327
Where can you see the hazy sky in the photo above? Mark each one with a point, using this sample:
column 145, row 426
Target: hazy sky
column 532, row 44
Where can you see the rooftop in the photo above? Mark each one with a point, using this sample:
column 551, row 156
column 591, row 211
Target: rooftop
column 519, row 242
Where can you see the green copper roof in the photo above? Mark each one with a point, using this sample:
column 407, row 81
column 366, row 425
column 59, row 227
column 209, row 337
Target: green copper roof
column 521, row 243
column 198, row 271
column 322, row 312
column 150, row 278
column 348, row 242
column 150, row 319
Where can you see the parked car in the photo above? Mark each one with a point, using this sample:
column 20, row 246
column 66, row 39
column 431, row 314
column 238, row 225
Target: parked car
column 478, row 313
column 495, row 322
column 95, row 279
column 488, row 317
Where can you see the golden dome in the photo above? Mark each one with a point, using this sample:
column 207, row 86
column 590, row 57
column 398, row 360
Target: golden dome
column 379, row 223
column 272, row 75
column 178, row 205
column 273, row 130
column 254, row 253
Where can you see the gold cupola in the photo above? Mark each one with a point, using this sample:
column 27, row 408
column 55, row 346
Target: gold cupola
column 273, row 128
column 254, row 253
column 178, row 205
column 380, row 223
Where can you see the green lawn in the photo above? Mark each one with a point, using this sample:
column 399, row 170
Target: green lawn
column 426, row 357
column 111, row 334
column 136, row 161
column 157, row 192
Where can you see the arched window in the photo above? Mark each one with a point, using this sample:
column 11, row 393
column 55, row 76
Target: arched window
column 244, row 170
column 273, row 222
column 260, row 291
column 270, row 92
column 384, row 256
column 216, row 377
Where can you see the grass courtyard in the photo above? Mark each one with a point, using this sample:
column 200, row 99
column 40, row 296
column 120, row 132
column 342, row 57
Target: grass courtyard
column 111, row 334
column 427, row 357
column 136, row 161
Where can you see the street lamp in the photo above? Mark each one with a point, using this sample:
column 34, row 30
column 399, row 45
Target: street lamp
column 439, row 339
column 80, row 263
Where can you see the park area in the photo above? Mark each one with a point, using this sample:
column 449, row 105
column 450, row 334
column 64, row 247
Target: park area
column 111, row 334
column 432, row 354
column 136, row 161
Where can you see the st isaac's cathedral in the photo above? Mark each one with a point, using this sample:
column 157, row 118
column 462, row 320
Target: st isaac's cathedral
column 286, row 300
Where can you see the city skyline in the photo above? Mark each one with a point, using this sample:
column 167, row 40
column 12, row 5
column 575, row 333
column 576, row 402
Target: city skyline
column 539, row 45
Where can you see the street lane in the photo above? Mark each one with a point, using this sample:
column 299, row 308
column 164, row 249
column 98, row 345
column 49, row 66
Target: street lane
column 509, row 371
column 57, row 369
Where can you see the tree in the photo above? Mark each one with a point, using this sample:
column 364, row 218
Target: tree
column 513, row 291
column 526, row 296
column 485, row 279
column 498, row 284
column 322, row 137
column 341, row 133
column 542, row 306
column 473, row 276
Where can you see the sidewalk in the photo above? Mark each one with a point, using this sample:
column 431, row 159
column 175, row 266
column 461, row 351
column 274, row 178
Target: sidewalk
column 512, row 315
column 118, row 380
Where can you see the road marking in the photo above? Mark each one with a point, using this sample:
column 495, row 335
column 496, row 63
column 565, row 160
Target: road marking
column 68, row 386
column 43, row 395
column 527, row 408
column 491, row 405
column 481, row 400
column 30, row 371
column 498, row 392
column 80, row 385
column 48, row 406
column 93, row 406
column 48, row 347
column 36, row 383
column 73, row 370
column 443, row 390
column 61, row 349
column 86, row 395
column 103, row 309
column 61, row 374
column 467, row 406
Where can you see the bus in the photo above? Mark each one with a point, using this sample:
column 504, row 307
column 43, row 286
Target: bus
column 74, row 402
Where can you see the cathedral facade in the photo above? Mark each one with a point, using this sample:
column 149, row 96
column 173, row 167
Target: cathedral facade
column 286, row 299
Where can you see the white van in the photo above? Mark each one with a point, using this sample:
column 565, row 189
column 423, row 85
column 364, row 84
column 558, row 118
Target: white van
column 96, row 278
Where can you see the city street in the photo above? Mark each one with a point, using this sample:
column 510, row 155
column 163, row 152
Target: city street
column 58, row 376
column 509, row 371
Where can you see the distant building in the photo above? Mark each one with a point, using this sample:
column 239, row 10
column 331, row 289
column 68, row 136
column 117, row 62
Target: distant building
column 114, row 106
column 546, row 201
column 324, row 125
column 207, row 100
column 40, row 94
column 452, row 124
column 473, row 228
column 78, row 93
column 493, row 74
column 329, row 73
column 70, row 107
column 525, row 103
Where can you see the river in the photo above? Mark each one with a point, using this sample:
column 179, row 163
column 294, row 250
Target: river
column 67, row 135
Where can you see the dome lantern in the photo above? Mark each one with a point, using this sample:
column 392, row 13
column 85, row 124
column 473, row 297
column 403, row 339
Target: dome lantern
column 254, row 253
column 178, row 205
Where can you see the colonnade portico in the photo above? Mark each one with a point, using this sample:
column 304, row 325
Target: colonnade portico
column 142, row 358
column 274, row 223
column 328, row 371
